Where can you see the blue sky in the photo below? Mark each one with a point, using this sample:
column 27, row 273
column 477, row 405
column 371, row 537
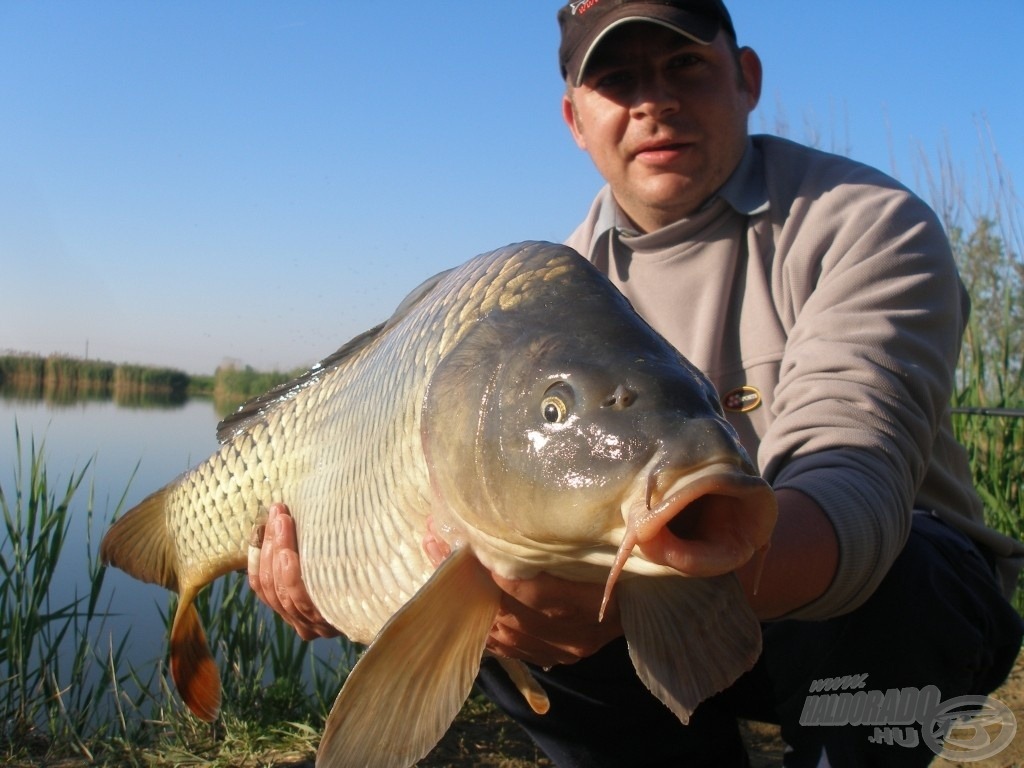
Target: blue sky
column 190, row 183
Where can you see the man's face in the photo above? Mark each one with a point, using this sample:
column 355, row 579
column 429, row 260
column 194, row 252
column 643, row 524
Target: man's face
column 663, row 118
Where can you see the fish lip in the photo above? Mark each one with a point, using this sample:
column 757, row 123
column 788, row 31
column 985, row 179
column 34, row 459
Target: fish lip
column 707, row 523
column 727, row 535
column 724, row 479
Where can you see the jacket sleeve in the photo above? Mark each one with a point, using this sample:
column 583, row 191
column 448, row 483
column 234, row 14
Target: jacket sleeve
column 867, row 289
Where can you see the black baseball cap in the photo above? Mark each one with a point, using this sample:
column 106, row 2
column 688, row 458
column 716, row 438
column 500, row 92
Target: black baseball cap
column 584, row 23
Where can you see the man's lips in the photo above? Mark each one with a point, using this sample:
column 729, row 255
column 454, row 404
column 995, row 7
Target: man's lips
column 662, row 151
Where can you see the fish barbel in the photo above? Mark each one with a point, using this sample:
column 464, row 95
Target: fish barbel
column 521, row 403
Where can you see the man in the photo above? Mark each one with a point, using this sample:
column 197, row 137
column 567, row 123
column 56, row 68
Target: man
column 822, row 299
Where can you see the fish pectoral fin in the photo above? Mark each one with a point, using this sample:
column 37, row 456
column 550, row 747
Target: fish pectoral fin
column 526, row 684
column 406, row 690
column 192, row 666
column 689, row 638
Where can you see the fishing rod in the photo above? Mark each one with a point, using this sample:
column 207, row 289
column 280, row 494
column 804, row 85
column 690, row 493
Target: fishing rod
column 971, row 411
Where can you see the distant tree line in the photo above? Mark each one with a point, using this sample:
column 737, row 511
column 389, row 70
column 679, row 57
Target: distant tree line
column 64, row 379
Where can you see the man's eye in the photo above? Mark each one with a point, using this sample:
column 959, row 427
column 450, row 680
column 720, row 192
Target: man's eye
column 684, row 60
column 611, row 81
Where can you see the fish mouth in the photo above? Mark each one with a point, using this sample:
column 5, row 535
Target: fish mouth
column 701, row 523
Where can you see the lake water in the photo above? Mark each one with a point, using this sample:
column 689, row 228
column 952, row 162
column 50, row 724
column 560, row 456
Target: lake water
column 153, row 444
column 156, row 444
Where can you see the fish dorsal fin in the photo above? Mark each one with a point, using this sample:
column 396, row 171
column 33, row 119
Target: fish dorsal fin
column 252, row 411
column 689, row 638
column 407, row 688
column 415, row 296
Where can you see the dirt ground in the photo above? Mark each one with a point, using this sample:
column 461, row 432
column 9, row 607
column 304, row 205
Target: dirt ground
column 1011, row 693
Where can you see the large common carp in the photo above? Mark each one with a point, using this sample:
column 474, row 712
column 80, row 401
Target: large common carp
column 520, row 402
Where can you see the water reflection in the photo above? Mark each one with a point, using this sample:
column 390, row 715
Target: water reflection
column 61, row 396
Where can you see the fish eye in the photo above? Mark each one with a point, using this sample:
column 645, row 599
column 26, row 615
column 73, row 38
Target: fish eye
column 557, row 403
column 554, row 410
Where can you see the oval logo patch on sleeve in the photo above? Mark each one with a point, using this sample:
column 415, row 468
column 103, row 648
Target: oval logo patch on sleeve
column 742, row 399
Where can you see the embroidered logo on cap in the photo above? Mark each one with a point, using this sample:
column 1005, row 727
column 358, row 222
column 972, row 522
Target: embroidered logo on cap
column 742, row 399
column 582, row 6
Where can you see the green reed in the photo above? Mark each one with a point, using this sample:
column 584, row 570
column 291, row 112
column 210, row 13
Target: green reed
column 276, row 692
column 990, row 391
column 986, row 232
column 266, row 669
column 46, row 656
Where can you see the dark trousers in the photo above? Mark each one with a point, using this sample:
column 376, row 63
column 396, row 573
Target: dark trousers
column 937, row 619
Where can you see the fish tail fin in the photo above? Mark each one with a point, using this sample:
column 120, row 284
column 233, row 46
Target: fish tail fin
column 390, row 713
column 192, row 666
column 689, row 638
column 140, row 545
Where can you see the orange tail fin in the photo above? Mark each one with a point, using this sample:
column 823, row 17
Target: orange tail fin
column 192, row 666
column 139, row 544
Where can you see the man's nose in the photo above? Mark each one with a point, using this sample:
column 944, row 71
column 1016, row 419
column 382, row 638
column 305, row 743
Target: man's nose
column 655, row 97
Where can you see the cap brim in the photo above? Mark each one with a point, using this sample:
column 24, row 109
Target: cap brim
column 697, row 28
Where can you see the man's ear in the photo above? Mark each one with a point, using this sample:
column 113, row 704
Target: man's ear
column 750, row 69
column 571, row 120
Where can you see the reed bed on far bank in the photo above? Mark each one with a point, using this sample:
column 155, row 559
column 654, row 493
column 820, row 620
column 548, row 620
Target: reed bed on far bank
column 64, row 379
column 233, row 385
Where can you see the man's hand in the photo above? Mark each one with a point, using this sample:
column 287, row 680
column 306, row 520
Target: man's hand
column 277, row 580
column 544, row 620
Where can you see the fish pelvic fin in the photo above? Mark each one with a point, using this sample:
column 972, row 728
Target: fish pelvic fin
column 688, row 638
column 140, row 545
column 192, row 666
column 526, row 684
column 406, row 690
